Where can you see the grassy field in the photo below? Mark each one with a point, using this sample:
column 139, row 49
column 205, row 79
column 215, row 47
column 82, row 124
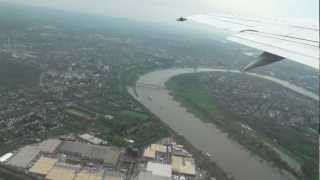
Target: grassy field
column 196, row 101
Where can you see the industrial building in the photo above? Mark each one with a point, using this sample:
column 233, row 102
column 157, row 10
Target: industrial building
column 183, row 166
column 159, row 148
column 27, row 154
column 5, row 157
column 146, row 175
column 24, row 156
column 91, row 139
column 62, row 172
column 50, row 160
column 49, row 146
column 107, row 155
column 178, row 150
column 43, row 166
column 87, row 174
column 159, row 169
column 167, row 161
column 151, row 152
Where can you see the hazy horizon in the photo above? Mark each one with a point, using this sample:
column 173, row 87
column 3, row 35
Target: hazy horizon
column 165, row 10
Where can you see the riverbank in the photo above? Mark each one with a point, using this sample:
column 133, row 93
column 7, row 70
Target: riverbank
column 206, row 137
column 202, row 105
column 201, row 159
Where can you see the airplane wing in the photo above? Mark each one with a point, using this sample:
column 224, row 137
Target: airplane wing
column 278, row 39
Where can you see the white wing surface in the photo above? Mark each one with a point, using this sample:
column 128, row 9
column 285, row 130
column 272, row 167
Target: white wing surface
column 279, row 39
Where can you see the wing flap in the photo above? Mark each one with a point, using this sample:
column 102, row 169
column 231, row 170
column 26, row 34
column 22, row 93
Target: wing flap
column 264, row 59
column 295, row 41
column 280, row 27
column 300, row 52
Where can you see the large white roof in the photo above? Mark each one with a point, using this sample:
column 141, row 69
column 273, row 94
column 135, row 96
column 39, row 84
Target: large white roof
column 6, row 157
column 160, row 169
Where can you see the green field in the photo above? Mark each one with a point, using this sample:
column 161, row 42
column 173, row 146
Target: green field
column 194, row 99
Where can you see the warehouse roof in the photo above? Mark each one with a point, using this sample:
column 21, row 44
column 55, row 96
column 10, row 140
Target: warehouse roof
column 150, row 152
column 143, row 175
column 73, row 147
column 159, row 169
column 24, row 156
column 90, row 138
column 159, row 148
column 108, row 155
column 62, row 172
column 43, row 166
column 5, row 157
column 89, row 175
column 49, row 145
column 183, row 165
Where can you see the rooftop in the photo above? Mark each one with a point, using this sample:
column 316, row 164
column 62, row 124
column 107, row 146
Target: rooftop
column 149, row 176
column 6, row 157
column 108, row 155
column 24, row 156
column 89, row 175
column 160, row 169
column 183, row 165
column 43, row 166
column 49, row 145
column 150, row 152
column 62, row 172
column 90, row 138
column 159, row 148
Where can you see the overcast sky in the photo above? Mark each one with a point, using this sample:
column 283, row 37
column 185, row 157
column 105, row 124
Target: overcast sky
column 163, row 10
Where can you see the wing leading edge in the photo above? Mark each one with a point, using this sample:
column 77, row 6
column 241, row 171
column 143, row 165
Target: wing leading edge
column 278, row 39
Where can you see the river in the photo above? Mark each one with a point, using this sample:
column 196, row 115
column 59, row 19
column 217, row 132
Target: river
column 229, row 155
